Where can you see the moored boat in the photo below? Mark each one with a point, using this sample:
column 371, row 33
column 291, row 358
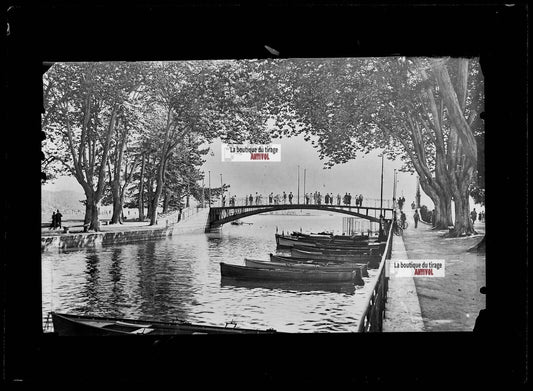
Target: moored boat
column 311, row 254
column 260, row 273
column 362, row 265
column 287, row 241
column 329, row 236
column 373, row 260
column 83, row 325
column 307, row 266
column 339, row 251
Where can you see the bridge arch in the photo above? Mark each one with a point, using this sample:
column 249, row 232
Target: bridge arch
column 222, row 215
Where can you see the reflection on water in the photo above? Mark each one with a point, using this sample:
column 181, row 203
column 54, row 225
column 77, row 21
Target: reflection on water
column 179, row 279
column 284, row 286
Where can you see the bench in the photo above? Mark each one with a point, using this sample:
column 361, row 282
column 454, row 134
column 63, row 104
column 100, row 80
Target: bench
column 66, row 228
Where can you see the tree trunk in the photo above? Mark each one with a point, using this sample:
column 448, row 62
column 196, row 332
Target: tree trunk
column 463, row 225
column 92, row 209
column 166, row 201
column 116, row 218
column 88, row 208
column 141, row 191
column 442, row 214
column 95, row 211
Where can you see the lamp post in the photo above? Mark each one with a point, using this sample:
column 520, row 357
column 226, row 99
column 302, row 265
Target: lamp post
column 304, row 184
column 381, row 217
column 203, row 195
column 298, row 184
column 221, row 190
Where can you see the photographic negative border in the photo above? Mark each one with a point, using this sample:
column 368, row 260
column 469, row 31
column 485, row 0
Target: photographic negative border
column 48, row 33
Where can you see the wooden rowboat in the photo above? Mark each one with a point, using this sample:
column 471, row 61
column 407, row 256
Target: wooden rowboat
column 335, row 256
column 363, row 266
column 307, row 266
column 327, row 236
column 284, row 241
column 260, row 273
column 339, row 251
column 373, row 260
column 289, row 241
column 80, row 325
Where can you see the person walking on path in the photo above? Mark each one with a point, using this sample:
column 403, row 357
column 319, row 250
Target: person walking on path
column 54, row 221
column 416, row 217
column 413, row 206
column 58, row 219
column 473, row 216
column 403, row 217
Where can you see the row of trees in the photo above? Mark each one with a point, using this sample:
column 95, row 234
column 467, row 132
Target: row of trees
column 145, row 124
column 425, row 111
column 140, row 130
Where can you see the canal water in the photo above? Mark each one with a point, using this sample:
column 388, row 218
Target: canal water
column 178, row 279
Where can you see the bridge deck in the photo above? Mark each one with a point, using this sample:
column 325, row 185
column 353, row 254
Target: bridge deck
column 219, row 215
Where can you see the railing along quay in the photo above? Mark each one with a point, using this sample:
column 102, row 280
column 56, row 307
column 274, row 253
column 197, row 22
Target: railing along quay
column 372, row 319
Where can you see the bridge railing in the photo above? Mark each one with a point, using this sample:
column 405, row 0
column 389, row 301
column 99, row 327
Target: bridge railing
column 372, row 319
column 260, row 199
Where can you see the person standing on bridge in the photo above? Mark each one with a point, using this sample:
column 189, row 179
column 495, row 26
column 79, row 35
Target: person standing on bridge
column 416, row 217
column 319, row 198
column 338, row 199
column 270, row 198
column 360, row 200
column 284, row 198
column 290, row 197
column 327, row 198
column 307, row 198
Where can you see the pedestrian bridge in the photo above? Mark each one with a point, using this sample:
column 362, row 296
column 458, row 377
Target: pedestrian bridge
column 225, row 214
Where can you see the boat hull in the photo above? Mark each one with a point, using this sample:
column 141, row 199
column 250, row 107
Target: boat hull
column 363, row 266
column 284, row 241
column 307, row 266
column 256, row 273
column 373, row 260
column 80, row 325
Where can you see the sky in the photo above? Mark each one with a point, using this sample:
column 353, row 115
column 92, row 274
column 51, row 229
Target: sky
column 360, row 176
